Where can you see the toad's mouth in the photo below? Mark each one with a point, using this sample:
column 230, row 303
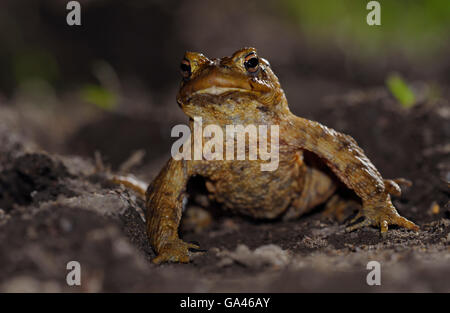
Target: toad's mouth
column 217, row 91
column 215, row 83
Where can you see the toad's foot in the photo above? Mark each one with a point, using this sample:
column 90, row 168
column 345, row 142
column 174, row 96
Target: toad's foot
column 175, row 251
column 380, row 213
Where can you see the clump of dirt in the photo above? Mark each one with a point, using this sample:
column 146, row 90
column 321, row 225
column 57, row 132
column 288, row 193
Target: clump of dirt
column 32, row 178
column 43, row 244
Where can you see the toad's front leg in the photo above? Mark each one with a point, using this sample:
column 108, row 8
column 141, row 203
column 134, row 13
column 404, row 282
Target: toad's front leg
column 352, row 167
column 164, row 206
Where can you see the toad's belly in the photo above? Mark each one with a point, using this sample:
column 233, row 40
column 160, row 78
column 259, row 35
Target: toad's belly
column 242, row 187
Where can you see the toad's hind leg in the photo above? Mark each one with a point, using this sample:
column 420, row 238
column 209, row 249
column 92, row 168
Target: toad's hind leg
column 318, row 187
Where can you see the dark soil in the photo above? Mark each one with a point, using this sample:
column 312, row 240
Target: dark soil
column 32, row 178
column 58, row 208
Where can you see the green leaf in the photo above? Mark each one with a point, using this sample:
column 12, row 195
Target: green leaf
column 400, row 90
column 99, row 96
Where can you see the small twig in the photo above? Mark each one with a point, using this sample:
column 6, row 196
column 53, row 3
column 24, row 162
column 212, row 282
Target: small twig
column 133, row 160
column 99, row 166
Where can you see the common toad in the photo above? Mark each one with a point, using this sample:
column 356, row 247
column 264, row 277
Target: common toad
column 242, row 89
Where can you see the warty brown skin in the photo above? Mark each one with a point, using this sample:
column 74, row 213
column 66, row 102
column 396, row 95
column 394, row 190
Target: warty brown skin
column 253, row 95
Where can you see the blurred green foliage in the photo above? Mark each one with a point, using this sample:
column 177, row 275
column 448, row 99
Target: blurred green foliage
column 415, row 28
column 99, row 96
column 35, row 64
column 400, row 90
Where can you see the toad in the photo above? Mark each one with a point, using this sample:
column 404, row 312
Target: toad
column 243, row 89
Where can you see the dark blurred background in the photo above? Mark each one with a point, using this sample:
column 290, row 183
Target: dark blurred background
column 109, row 85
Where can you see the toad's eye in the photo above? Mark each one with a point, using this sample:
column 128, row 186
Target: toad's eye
column 251, row 63
column 185, row 68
